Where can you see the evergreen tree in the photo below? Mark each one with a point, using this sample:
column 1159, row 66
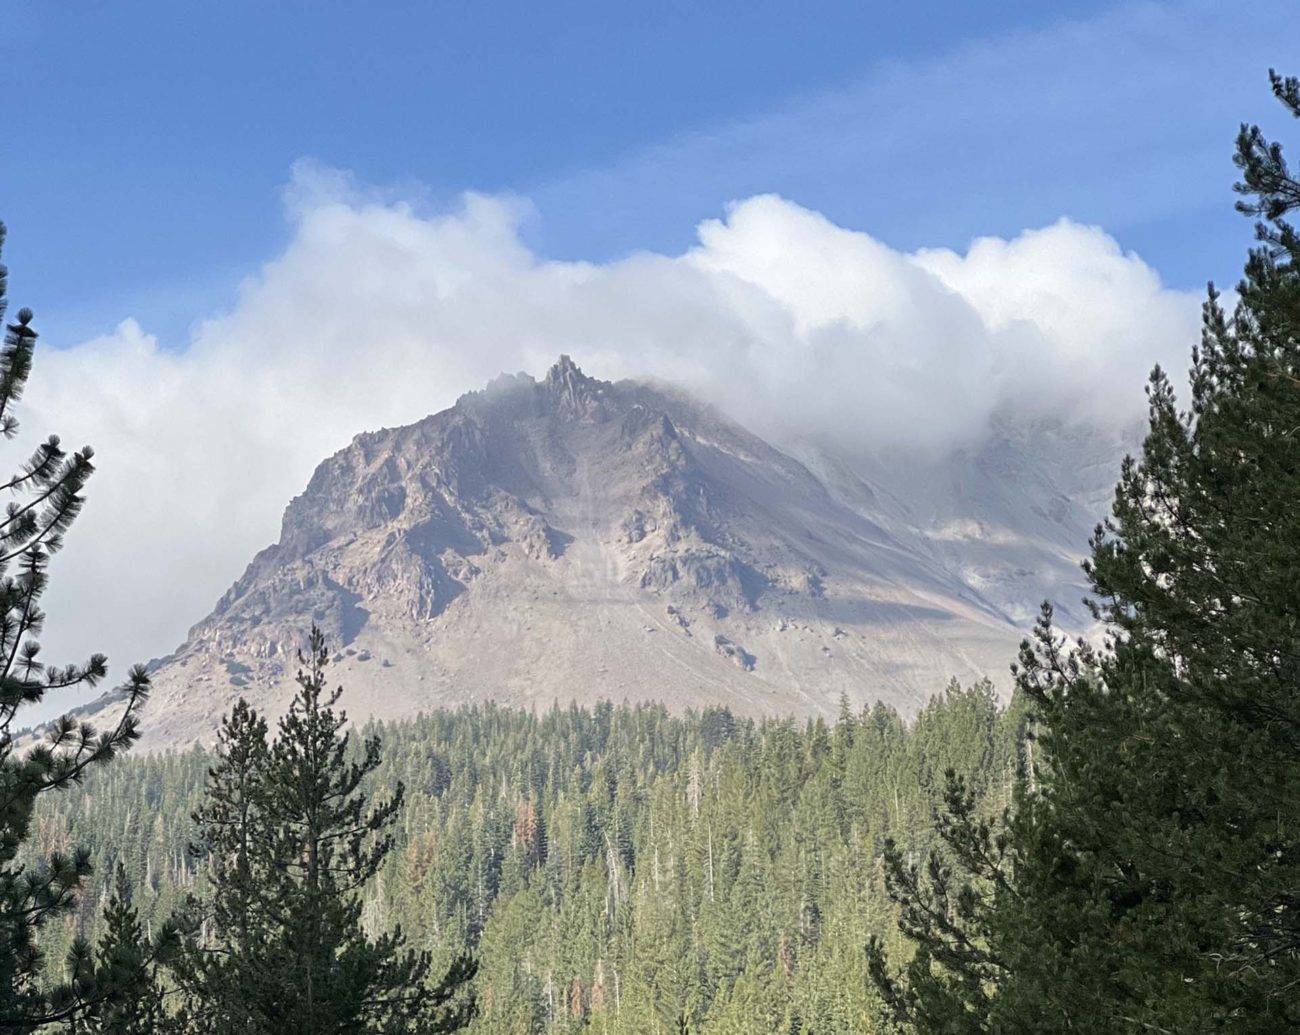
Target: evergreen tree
column 125, row 973
column 292, row 840
column 561, row 822
column 1147, row 880
column 47, row 496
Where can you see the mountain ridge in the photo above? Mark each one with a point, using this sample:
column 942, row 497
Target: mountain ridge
column 572, row 539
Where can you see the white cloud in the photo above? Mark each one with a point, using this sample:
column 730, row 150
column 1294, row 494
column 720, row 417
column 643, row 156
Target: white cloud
column 1124, row 117
column 377, row 315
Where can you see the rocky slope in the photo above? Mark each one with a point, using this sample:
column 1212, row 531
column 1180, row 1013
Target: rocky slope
column 574, row 540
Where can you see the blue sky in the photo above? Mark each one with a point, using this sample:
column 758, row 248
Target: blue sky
column 246, row 230
column 146, row 144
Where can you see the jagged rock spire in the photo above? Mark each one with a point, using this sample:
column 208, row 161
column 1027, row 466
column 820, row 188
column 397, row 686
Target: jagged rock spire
column 577, row 396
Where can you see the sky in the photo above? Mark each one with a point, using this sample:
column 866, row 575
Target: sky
column 251, row 231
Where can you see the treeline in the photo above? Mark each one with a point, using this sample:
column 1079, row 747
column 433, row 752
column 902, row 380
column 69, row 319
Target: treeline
column 617, row 869
column 626, row 871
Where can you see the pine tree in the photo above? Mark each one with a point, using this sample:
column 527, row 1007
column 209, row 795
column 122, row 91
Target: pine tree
column 1147, row 878
column 292, row 840
column 125, row 973
column 46, row 496
column 602, row 951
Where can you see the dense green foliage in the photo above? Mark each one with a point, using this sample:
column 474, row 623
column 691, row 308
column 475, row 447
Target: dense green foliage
column 127, row 967
column 618, row 869
column 1148, row 880
column 1131, row 865
column 36, row 888
column 290, row 842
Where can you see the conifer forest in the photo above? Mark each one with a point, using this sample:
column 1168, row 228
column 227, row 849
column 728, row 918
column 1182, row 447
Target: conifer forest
column 1106, row 842
column 619, row 870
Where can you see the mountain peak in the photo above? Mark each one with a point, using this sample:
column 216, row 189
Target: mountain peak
column 577, row 396
column 570, row 538
column 564, row 370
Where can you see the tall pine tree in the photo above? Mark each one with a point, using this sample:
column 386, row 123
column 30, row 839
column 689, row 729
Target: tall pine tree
column 292, row 840
column 46, row 496
column 1147, row 879
column 127, row 994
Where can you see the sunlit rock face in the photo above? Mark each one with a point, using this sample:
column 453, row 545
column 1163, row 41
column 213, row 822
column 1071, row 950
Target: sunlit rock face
column 571, row 539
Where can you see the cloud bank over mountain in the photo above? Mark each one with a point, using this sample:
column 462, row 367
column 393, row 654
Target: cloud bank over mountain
column 378, row 313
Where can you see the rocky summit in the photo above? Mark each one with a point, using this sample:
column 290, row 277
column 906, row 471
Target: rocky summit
column 572, row 539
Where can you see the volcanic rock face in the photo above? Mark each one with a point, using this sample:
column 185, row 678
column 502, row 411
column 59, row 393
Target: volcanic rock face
column 574, row 540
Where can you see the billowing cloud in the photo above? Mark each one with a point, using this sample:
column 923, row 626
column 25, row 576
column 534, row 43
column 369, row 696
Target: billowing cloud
column 377, row 314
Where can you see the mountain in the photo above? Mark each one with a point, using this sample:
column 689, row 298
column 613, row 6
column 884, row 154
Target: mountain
column 573, row 539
